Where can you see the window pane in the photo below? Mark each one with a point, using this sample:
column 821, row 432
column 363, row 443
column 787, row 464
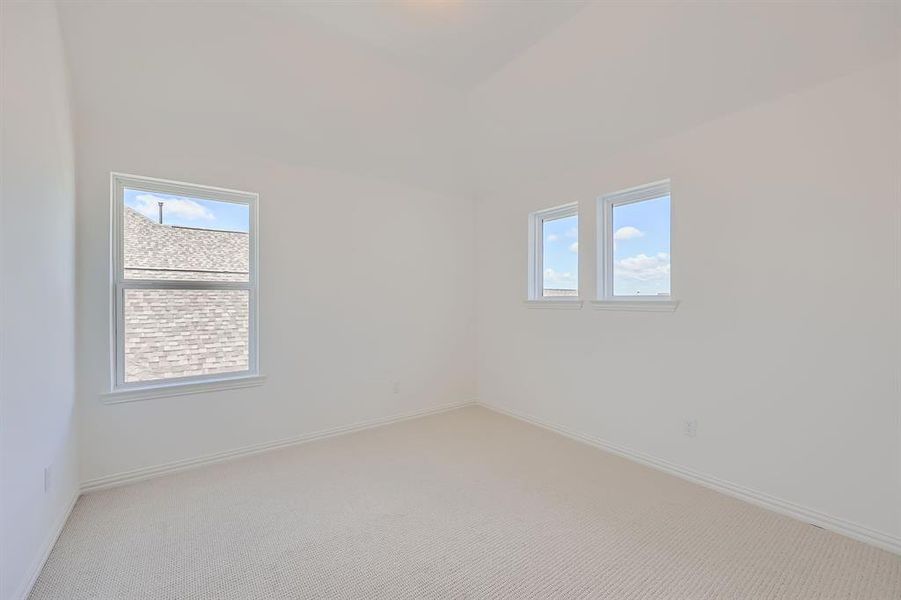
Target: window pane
column 176, row 237
column 561, row 256
column 641, row 248
column 180, row 333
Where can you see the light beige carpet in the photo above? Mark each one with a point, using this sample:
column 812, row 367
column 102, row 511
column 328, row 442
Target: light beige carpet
column 465, row 504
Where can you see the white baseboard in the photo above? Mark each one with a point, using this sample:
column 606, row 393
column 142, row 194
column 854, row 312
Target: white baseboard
column 143, row 473
column 802, row 513
column 38, row 564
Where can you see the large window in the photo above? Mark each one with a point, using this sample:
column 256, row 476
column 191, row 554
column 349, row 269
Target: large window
column 634, row 245
column 554, row 254
column 184, row 283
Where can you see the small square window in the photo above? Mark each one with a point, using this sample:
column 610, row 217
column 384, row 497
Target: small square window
column 554, row 254
column 634, row 244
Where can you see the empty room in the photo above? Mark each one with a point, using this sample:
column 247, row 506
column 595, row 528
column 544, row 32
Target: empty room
column 445, row 299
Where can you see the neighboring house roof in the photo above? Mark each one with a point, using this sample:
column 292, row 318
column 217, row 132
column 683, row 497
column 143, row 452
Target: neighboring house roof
column 183, row 252
column 179, row 333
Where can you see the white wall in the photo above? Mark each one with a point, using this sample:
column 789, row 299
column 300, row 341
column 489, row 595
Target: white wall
column 366, row 240
column 786, row 259
column 37, row 268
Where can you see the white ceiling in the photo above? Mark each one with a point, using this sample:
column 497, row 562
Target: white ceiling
column 621, row 75
column 458, row 42
column 341, row 85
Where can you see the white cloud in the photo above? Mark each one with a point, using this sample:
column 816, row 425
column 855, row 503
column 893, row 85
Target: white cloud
column 556, row 280
column 627, row 233
column 189, row 210
column 642, row 267
column 553, row 238
column 574, row 247
column 572, row 232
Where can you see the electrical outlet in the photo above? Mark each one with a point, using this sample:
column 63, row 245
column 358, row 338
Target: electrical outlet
column 396, row 387
column 690, row 428
column 47, row 478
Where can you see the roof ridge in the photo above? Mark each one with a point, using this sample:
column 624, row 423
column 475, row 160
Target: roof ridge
column 140, row 214
column 206, row 229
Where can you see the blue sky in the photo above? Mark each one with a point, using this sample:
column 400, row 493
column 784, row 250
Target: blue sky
column 641, row 248
column 190, row 212
column 561, row 253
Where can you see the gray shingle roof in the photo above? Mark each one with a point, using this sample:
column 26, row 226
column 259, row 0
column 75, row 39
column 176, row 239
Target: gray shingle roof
column 174, row 252
column 179, row 333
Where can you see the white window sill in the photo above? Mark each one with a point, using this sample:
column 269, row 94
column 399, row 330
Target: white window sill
column 648, row 305
column 558, row 303
column 180, row 389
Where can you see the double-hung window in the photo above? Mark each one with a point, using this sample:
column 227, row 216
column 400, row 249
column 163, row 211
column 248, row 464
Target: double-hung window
column 554, row 256
column 634, row 254
column 184, row 285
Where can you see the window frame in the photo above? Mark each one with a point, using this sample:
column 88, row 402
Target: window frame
column 605, row 205
column 535, row 292
column 119, row 284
